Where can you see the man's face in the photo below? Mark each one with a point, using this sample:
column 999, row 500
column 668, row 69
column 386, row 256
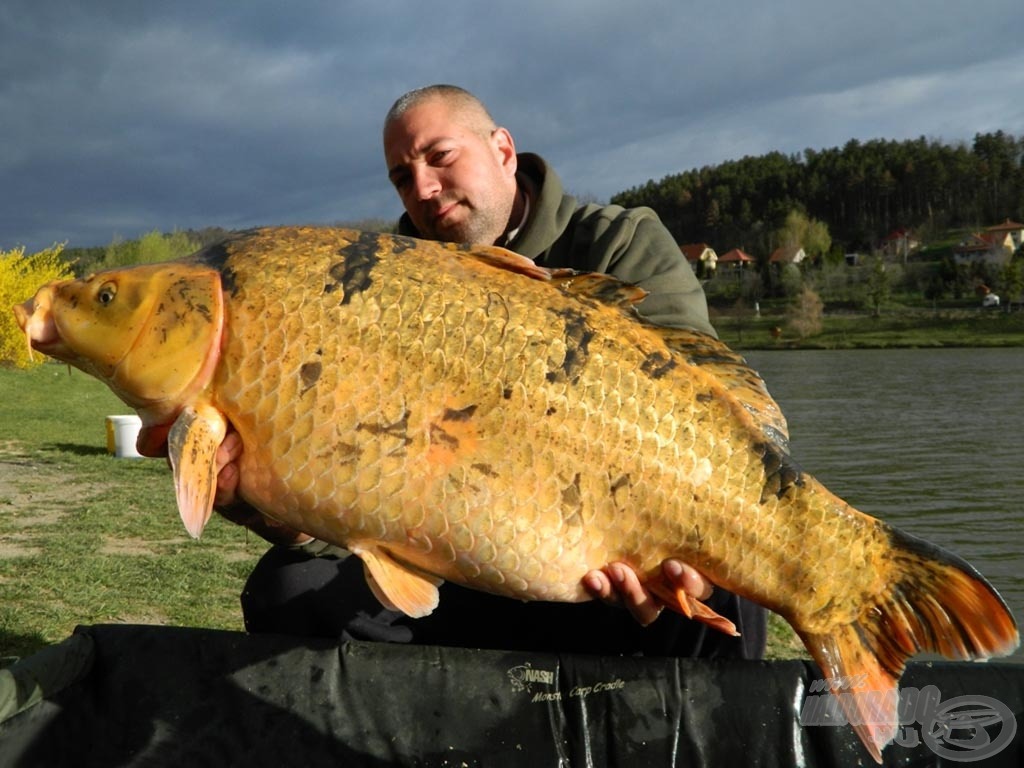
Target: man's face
column 457, row 184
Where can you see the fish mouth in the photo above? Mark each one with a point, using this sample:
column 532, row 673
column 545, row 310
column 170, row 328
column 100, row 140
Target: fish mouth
column 35, row 318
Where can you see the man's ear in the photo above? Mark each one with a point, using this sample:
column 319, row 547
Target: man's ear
column 503, row 144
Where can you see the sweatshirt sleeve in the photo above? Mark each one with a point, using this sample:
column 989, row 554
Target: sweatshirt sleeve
column 637, row 248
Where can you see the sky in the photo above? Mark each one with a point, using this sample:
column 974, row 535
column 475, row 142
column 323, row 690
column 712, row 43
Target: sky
column 119, row 117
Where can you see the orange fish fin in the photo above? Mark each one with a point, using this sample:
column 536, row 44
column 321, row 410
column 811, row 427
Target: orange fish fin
column 679, row 601
column 870, row 704
column 605, row 288
column 936, row 603
column 398, row 586
column 512, row 262
column 192, row 448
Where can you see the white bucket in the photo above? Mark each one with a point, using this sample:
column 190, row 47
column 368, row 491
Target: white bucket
column 122, row 433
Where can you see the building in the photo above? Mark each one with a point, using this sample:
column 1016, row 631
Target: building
column 988, row 247
column 899, row 243
column 702, row 258
column 736, row 259
column 787, row 254
column 1013, row 228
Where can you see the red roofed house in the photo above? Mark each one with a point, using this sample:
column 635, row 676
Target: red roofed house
column 735, row 259
column 702, row 258
column 788, row 254
column 1013, row 228
column 988, row 247
column 900, row 242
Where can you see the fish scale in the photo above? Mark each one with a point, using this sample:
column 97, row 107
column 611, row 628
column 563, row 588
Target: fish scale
column 459, row 413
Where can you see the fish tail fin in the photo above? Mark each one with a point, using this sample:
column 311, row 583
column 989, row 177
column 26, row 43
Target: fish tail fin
column 937, row 603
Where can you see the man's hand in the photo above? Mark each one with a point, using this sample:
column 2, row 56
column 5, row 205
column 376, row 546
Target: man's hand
column 618, row 584
column 228, row 454
column 227, row 503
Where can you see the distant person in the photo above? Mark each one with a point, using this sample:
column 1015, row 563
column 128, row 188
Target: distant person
column 460, row 180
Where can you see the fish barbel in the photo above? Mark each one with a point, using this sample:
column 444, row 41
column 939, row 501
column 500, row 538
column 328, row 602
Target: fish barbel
column 459, row 413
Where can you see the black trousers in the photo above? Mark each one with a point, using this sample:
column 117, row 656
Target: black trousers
column 293, row 592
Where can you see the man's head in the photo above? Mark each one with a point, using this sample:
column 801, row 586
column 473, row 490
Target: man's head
column 453, row 168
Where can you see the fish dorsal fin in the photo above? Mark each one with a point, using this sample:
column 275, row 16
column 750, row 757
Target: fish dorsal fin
column 586, row 285
column 512, row 262
column 604, row 288
column 739, row 379
column 398, row 586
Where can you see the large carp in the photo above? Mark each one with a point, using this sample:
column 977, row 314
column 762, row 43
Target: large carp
column 460, row 413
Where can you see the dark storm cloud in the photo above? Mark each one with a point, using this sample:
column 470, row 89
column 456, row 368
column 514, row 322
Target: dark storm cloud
column 121, row 117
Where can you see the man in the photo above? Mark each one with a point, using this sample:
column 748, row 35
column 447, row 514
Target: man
column 460, row 180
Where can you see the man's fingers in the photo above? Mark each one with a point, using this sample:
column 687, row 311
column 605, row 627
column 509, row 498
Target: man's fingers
column 637, row 600
column 230, row 450
column 690, row 579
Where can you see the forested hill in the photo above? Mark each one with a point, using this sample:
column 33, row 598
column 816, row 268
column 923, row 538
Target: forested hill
column 862, row 191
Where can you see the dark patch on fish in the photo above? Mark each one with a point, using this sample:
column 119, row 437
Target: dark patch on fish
column 462, row 414
column 657, row 365
column 217, row 257
column 353, row 274
column 438, row 435
column 402, row 243
column 572, row 498
column 781, row 472
column 485, row 469
column 398, row 430
column 310, row 374
column 577, row 340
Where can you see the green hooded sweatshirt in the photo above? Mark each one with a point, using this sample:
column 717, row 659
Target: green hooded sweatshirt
column 629, row 243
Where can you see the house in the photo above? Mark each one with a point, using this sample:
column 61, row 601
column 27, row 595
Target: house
column 899, row 243
column 1013, row 228
column 787, row 254
column 736, row 259
column 702, row 257
column 986, row 247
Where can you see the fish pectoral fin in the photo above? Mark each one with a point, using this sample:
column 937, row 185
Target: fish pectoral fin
column 192, row 448
column 398, row 586
column 679, row 601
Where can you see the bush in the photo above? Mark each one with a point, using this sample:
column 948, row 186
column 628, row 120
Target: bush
column 805, row 314
column 20, row 277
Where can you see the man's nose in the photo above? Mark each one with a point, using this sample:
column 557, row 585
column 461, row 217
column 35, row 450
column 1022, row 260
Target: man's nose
column 426, row 184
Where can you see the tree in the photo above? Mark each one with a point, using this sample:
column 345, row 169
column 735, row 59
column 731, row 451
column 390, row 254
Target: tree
column 805, row 314
column 1011, row 281
column 20, row 277
column 878, row 286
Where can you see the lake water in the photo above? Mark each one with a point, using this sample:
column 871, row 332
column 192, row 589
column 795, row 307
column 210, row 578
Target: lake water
column 929, row 440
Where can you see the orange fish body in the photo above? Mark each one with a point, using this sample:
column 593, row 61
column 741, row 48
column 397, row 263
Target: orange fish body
column 461, row 414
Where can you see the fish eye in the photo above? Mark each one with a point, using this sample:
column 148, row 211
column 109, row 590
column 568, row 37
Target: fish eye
column 106, row 293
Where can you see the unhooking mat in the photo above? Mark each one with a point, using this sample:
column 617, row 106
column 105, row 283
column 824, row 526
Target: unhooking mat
column 160, row 696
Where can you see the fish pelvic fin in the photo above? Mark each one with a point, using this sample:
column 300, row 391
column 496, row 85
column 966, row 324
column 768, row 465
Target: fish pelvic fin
column 192, row 448
column 936, row 603
column 398, row 586
column 678, row 600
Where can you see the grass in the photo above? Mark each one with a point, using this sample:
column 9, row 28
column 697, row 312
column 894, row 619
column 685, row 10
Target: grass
column 897, row 328
column 89, row 539
column 86, row 538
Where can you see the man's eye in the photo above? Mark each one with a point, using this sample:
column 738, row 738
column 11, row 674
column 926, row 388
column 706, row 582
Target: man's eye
column 441, row 157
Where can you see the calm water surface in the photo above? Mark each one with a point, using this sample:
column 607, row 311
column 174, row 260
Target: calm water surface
column 929, row 440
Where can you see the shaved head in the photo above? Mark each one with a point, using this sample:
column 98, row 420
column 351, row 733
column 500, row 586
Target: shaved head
column 463, row 106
